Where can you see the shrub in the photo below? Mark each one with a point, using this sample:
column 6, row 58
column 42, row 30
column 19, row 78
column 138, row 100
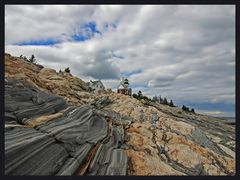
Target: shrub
column 25, row 58
column 139, row 96
column 135, row 96
column 67, row 70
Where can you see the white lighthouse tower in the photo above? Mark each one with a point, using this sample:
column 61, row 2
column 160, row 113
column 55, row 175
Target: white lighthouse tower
column 124, row 87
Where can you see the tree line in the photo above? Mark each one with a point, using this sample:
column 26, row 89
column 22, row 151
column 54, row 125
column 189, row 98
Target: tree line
column 187, row 109
column 67, row 70
column 140, row 96
column 164, row 101
column 31, row 59
column 161, row 100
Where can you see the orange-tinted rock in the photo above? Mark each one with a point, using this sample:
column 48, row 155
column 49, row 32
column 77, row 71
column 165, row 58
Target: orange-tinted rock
column 159, row 140
column 39, row 120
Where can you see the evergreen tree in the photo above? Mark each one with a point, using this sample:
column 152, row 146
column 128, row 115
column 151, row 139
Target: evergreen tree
column 160, row 100
column 155, row 98
column 32, row 59
column 171, row 103
column 192, row 110
column 139, row 93
column 165, row 101
column 184, row 108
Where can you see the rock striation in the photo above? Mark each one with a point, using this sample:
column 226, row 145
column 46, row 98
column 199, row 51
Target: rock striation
column 62, row 84
column 54, row 126
column 57, row 144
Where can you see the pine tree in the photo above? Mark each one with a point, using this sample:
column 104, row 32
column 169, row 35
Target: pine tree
column 192, row 110
column 171, row 103
column 165, row 101
column 139, row 93
column 184, row 108
column 32, row 59
column 155, row 98
column 160, row 100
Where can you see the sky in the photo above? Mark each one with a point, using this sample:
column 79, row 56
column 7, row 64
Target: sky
column 182, row 52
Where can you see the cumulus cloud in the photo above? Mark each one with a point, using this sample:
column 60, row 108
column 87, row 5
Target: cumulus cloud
column 184, row 52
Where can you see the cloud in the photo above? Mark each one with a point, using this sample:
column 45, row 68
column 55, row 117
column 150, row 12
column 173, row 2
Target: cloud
column 161, row 81
column 127, row 74
column 213, row 113
column 85, row 32
column 183, row 52
column 217, row 113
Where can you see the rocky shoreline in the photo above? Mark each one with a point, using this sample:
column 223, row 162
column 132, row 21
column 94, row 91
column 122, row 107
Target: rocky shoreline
column 54, row 126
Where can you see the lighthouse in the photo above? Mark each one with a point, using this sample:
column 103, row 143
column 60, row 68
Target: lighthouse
column 124, row 87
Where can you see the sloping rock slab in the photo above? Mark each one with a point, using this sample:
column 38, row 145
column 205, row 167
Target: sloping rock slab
column 29, row 152
column 22, row 101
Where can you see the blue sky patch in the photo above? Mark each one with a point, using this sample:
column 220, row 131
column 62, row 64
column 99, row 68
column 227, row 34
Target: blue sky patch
column 47, row 42
column 92, row 26
column 221, row 106
column 85, row 32
column 82, row 33
column 227, row 108
column 80, row 37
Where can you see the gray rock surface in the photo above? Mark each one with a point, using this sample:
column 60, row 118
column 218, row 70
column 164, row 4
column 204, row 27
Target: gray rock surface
column 63, row 146
column 25, row 102
column 113, row 135
column 29, row 152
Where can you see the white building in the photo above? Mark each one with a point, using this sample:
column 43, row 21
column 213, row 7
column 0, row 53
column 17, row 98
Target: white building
column 124, row 87
column 96, row 85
